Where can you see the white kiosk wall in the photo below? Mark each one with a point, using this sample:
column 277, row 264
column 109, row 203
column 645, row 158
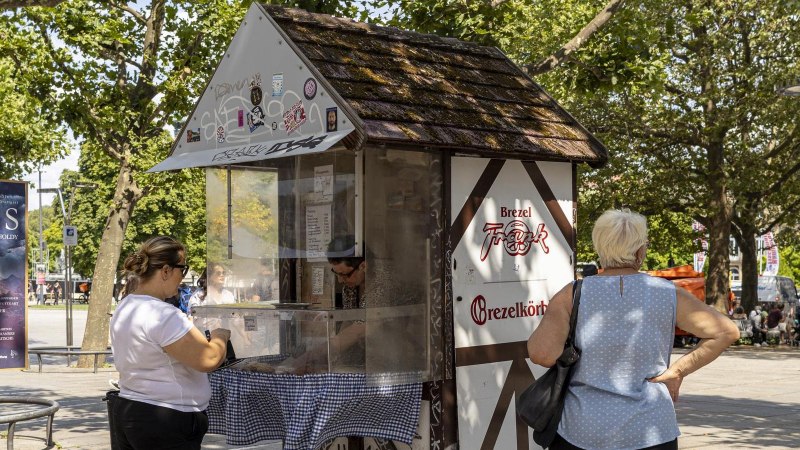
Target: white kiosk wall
column 511, row 235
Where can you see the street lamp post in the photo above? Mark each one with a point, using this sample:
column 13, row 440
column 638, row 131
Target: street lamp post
column 67, row 215
column 40, row 289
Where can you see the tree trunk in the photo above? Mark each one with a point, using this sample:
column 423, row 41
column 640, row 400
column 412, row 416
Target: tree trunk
column 126, row 195
column 719, row 231
column 747, row 246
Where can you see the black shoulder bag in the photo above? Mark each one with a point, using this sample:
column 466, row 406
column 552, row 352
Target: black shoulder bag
column 541, row 404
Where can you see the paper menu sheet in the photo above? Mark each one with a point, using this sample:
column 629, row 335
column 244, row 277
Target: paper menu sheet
column 317, row 280
column 323, row 182
column 318, row 230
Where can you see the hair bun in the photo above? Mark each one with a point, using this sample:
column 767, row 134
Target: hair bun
column 143, row 262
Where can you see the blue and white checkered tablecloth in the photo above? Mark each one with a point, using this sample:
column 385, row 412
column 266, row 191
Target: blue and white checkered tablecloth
column 305, row 411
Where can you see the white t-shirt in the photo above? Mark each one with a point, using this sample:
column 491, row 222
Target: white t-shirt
column 141, row 327
column 223, row 298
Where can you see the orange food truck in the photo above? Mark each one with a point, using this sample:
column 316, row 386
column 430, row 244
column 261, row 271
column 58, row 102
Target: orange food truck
column 691, row 280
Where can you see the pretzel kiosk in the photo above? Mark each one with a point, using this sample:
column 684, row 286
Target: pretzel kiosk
column 439, row 164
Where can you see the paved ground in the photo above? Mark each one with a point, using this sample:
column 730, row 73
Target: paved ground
column 748, row 398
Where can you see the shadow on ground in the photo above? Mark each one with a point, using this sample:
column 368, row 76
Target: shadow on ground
column 754, row 423
column 78, row 414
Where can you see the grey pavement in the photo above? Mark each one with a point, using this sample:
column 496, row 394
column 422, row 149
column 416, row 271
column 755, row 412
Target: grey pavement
column 748, row 398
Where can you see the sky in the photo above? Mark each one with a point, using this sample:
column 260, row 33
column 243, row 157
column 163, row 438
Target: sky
column 50, row 176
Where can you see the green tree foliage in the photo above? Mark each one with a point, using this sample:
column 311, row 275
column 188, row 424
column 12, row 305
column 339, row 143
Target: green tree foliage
column 53, row 245
column 527, row 31
column 174, row 207
column 29, row 134
column 789, row 263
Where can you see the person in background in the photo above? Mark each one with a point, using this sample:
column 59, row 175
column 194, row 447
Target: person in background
column 742, row 322
column 774, row 319
column 755, row 312
column 623, row 388
column 786, row 325
column 181, row 301
column 57, row 293
column 265, row 286
column 212, row 289
column 161, row 357
column 759, row 330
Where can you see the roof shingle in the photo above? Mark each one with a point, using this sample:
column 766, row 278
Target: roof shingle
column 426, row 90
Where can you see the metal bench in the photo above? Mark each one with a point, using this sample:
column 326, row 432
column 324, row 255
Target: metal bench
column 12, row 419
column 69, row 352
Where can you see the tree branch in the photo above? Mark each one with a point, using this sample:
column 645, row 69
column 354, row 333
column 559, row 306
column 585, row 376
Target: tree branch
column 785, row 176
column 790, row 140
column 646, row 132
column 593, row 69
column 136, row 14
column 791, row 209
column 145, row 90
column 599, row 21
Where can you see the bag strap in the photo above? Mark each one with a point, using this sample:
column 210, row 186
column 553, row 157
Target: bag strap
column 576, row 303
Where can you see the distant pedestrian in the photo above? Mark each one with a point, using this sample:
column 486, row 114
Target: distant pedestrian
column 56, row 293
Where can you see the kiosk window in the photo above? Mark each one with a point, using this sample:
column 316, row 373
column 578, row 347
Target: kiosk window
column 275, row 218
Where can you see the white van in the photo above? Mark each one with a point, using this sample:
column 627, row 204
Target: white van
column 776, row 289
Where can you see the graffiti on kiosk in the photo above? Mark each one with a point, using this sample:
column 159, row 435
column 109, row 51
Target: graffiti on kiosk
column 256, row 150
column 481, row 313
column 516, row 237
column 239, row 105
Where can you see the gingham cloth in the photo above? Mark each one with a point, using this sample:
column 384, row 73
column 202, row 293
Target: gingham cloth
column 305, row 411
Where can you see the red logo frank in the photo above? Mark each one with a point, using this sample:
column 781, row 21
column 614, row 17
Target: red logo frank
column 516, row 237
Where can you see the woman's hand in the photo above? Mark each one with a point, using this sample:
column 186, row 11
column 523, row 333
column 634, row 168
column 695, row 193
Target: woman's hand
column 199, row 353
column 672, row 380
column 221, row 333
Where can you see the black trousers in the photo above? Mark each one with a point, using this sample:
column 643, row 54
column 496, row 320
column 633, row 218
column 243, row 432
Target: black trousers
column 560, row 444
column 142, row 426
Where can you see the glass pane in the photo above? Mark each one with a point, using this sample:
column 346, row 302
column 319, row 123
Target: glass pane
column 403, row 200
column 244, row 249
column 283, row 215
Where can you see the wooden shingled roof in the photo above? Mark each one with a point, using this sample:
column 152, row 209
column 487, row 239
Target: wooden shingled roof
column 428, row 91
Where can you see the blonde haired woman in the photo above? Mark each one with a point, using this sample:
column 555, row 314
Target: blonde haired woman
column 160, row 356
column 623, row 389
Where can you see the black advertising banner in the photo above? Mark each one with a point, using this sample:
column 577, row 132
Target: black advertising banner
column 13, row 261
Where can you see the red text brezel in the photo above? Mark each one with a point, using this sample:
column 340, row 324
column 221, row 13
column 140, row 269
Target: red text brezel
column 481, row 313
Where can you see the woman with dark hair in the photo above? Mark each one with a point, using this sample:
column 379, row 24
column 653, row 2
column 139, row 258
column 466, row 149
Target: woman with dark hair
column 161, row 357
